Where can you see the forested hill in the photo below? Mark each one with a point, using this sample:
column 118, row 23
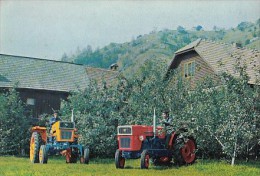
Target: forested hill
column 162, row 45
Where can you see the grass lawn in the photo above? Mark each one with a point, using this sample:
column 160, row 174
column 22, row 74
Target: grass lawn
column 56, row 166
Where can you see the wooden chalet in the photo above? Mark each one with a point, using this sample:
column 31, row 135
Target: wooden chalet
column 203, row 58
column 42, row 84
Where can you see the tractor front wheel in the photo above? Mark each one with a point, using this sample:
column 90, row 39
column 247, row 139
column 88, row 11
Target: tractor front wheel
column 85, row 158
column 119, row 159
column 43, row 155
column 71, row 156
column 35, row 144
column 145, row 159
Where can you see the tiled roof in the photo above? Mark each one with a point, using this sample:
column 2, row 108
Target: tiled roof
column 41, row 74
column 188, row 47
column 100, row 75
column 223, row 57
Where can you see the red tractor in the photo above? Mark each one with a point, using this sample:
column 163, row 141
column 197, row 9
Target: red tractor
column 147, row 142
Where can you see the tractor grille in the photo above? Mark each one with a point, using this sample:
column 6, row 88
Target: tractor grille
column 125, row 142
column 66, row 134
column 124, row 130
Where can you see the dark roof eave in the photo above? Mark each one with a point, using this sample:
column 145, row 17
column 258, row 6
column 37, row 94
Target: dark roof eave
column 35, row 58
column 29, row 88
column 184, row 51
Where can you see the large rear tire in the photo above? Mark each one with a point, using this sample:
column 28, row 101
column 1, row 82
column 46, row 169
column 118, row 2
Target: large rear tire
column 119, row 159
column 35, row 144
column 43, row 155
column 145, row 159
column 184, row 152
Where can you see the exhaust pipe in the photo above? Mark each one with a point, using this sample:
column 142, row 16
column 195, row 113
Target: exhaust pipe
column 72, row 115
column 154, row 123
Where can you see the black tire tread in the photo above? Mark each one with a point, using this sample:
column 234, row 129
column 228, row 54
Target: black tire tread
column 86, row 156
column 45, row 154
column 37, row 144
column 118, row 156
column 178, row 144
column 143, row 155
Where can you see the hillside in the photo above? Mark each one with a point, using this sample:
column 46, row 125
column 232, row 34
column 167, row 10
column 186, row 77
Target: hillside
column 162, row 45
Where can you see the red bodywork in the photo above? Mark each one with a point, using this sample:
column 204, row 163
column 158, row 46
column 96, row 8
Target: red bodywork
column 130, row 137
column 139, row 141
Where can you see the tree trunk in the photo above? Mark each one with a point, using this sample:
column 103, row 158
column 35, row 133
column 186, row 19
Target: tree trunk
column 234, row 154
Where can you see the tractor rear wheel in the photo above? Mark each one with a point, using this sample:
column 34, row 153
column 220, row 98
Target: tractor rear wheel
column 145, row 159
column 43, row 155
column 35, row 144
column 85, row 158
column 184, row 152
column 119, row 159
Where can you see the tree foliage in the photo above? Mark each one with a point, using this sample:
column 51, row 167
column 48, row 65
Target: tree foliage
column 99, row 111
column 243, row 25
column 223, row 116
column 181, row 30
column 161, row 44
column 198, row 28
column 14, row 127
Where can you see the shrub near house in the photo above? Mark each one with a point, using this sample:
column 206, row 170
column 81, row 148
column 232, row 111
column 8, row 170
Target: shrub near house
column 14, row 126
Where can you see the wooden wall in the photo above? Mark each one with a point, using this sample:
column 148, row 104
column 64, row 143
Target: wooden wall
column 202, row 69
column 45, row 101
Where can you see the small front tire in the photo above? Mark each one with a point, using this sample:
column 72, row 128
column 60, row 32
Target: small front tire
column 85, row 158
column 71, row 156
column 119, row 159
column 145, row 159
column 43, row 155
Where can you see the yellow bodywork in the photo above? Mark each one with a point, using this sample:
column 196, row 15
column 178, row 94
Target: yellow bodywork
column 63, row 134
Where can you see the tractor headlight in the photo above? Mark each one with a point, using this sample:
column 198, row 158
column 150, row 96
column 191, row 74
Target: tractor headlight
column 141, row 138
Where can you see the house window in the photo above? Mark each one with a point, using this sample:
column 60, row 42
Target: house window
column 189, row 69
column 30, row 101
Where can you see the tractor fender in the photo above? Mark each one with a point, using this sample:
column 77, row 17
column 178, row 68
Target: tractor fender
column 42, row 131
column 173, row 135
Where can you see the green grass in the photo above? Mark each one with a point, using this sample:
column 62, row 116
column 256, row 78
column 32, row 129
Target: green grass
column 13, row 166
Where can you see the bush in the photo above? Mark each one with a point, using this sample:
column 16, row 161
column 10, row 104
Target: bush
column 14, row 127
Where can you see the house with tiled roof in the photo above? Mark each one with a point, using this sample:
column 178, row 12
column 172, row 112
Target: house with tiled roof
column 42, row 84
column 203, row 58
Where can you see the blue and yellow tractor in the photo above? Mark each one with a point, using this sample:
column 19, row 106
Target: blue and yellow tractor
column 61, row 138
